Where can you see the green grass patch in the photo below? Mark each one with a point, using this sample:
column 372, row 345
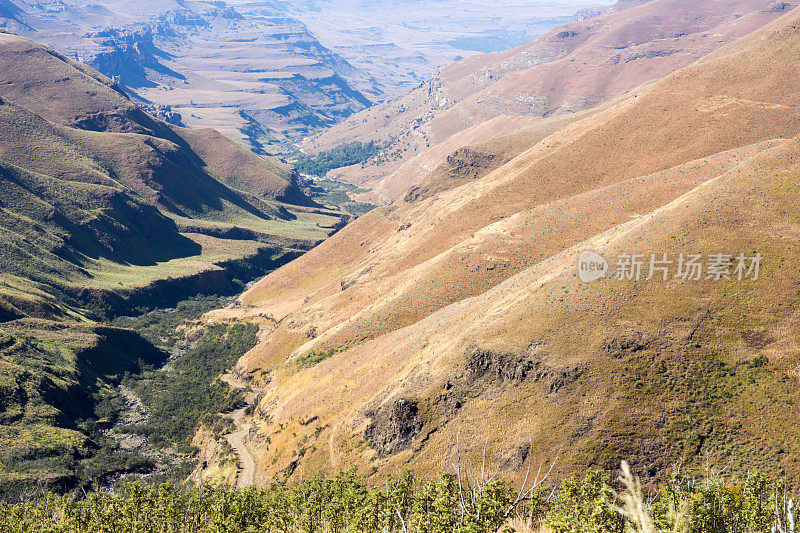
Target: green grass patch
column 315, row 357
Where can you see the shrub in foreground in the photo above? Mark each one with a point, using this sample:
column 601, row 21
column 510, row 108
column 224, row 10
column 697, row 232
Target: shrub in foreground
column 343, row 503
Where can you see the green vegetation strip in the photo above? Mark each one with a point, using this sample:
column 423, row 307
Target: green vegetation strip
column 405, row 504
column 60, row 394
column 181, row 397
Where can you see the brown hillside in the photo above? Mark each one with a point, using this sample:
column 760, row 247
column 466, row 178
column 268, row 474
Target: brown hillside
column 459, row 312
column 572, row 68
column 67, row 93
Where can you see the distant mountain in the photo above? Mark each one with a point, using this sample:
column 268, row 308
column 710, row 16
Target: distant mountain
column 402, row 43
column 573, row 68
column 256, row 79
column 452, row 325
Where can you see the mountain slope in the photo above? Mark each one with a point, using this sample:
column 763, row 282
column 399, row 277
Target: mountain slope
column 458, row 316
column 96, row 194
column 106, row 211
column 572, row 68
column 52, row 376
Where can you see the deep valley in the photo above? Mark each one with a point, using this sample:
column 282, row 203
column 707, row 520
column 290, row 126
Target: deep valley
column 382, row 266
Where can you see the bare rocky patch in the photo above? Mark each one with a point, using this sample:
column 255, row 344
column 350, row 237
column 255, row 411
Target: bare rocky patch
column 758, row 339
column 463, row 165
column 394, row 427
column 510, row 368
column 630, row 343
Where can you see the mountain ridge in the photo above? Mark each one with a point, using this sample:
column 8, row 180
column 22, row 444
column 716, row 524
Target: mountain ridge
column 107, row 186
column 571, row 68
column 461, row 312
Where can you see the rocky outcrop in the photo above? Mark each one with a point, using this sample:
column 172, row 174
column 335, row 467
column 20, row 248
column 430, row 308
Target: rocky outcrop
column 509, row 368
column 129, row 56
column 498, row 366
column 394, row 426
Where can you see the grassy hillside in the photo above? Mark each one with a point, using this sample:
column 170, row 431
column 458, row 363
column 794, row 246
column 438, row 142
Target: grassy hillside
column 105, row 211
column 96, row 194
column 57, row 385
column 456, row 315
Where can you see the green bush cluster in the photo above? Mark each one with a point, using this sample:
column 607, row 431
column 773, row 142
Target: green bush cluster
column 315, row 357
column 333, row 504
column 584, row 506
column 404, row 504
column 716, row 506
column 178, row 400
column 159, row 326
column 711, row 505
column 340, row 156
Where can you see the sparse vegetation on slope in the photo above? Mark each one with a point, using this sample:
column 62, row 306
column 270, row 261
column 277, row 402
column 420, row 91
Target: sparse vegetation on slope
column 461, row 312
column 569, row 69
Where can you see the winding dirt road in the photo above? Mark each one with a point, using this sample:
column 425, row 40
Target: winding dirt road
column 247, row 464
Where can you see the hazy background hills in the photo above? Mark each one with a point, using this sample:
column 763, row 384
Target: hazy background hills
column 402, row 43
column 266, row 72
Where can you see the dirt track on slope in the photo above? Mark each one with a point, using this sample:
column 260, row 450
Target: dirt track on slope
column 247, row 463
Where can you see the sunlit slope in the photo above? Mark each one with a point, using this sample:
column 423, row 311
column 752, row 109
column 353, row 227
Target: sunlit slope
column 465, row 304
column 570, row 69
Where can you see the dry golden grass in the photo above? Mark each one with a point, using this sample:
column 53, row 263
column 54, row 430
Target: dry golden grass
column 521, row 525
column 604, row 58
column 703, row 160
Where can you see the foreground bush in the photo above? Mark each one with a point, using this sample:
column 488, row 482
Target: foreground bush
column 344, row 504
